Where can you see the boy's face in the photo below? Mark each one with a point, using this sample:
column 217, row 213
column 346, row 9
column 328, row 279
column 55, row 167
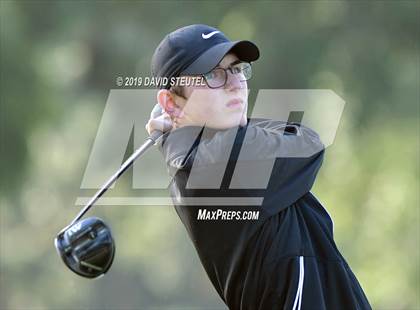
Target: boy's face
column 219, row 108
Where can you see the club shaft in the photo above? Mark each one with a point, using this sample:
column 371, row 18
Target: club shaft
column 143, row 148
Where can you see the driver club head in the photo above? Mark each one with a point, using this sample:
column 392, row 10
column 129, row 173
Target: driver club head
column 86, row 247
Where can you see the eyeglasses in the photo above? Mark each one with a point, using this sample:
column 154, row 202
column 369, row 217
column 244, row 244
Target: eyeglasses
column 217, row 77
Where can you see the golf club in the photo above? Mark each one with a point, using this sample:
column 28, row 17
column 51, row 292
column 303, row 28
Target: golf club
column 86, row 246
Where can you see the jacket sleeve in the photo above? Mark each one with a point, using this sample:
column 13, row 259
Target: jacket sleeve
column 283, row 159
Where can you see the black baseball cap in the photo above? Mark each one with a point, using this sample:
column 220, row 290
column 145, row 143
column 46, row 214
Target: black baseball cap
column 196, row 49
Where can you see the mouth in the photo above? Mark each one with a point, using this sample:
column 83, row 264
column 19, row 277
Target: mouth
column 235, row 103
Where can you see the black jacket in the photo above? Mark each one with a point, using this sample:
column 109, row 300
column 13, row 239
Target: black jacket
column 285, row 259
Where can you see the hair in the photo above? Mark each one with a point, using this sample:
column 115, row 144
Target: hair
column 178, row 90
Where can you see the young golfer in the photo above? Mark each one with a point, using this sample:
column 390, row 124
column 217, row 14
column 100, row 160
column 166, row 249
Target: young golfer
column 273, row 253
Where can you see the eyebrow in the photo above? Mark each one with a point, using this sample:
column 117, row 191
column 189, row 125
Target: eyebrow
column 231, row 64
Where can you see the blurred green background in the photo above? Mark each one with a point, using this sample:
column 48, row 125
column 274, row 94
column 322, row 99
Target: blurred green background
column 60, row 59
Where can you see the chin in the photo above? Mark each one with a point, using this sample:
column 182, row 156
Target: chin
column 244, row 121
column 233, row 122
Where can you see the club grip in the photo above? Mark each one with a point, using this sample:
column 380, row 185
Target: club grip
column 157, row 111
column 155, row 135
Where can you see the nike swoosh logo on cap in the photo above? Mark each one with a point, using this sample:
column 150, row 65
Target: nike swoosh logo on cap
column 209, row 35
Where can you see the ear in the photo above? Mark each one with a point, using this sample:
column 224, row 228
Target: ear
column 169, row 102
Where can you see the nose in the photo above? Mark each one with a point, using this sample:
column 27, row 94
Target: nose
column 234, row 81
